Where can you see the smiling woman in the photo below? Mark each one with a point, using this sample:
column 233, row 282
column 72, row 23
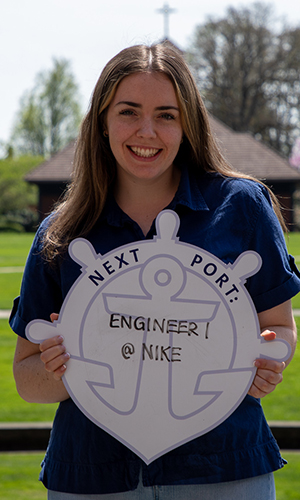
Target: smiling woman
column 145, row 146
column 144, row 128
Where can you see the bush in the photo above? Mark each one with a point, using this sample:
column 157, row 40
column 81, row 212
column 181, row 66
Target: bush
column 20, row 221
column 16, row 193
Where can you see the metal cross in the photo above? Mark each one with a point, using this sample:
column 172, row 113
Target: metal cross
column 166, row 11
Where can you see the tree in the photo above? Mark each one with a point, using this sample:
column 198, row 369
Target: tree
column 49, row 114
column 248, row 69
column 18, row 198
column 295, row 156
column 30, row 132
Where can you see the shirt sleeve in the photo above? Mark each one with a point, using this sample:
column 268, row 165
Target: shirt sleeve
column 278, row 279
column 40, row 293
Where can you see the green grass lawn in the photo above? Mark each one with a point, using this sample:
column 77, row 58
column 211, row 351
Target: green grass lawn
column 293, row 245
column 19, row 471
column 19, row 477
column 13, row 408
column 283, row 404
column 287, row 480
column 10, row 284
column 14, row 248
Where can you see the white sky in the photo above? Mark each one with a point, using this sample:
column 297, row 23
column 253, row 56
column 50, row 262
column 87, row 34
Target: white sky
column 89, row 33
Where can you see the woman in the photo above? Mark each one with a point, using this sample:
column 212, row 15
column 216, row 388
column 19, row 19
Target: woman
column 146, row 145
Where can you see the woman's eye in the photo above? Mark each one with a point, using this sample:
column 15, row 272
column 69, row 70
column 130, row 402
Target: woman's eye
column 127, row 112
column 167, row 116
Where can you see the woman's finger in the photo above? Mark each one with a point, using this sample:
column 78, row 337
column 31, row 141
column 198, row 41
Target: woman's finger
column 52, row 342
column 57, row 362
column 54, row 356
column 54, row 317
column 268, row 335
column 270, row 365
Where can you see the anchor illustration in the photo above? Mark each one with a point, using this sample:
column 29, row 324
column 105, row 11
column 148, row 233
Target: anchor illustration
column 162, row 337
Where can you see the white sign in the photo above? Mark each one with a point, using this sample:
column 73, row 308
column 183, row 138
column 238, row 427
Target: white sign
column 162, row 337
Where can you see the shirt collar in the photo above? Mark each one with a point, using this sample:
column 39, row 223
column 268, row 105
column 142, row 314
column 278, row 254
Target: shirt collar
column 188, row 194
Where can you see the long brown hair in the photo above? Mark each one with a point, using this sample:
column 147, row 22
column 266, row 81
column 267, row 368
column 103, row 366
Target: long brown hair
column 94, row 163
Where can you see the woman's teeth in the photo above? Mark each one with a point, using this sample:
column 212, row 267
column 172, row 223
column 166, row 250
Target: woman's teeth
column 145, row 153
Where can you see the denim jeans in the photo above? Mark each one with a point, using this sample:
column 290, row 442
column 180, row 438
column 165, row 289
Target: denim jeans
column 258, row 488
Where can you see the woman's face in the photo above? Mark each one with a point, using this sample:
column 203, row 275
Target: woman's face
column 144, row 127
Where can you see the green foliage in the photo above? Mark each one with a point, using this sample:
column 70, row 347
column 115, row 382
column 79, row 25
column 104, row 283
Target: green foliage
column 49, row 114
column 60, row 100
column 30, row 130
column 17, row 195
column 19, row 220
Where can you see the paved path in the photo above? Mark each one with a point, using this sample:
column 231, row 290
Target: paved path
column 4, row 314
column 9, row 270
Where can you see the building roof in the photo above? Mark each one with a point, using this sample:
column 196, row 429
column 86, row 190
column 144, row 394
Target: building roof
column 57, row 169
column 243, row 152
column 250, row 156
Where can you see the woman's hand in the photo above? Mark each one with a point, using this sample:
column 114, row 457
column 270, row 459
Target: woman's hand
column 53, row 354
column 38, row 369
column 269, row 372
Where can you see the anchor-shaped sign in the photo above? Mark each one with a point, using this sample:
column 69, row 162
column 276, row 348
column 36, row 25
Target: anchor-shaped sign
column 162, row 337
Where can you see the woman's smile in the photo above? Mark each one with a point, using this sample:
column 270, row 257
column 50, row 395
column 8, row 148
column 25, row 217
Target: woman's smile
column 144, row 152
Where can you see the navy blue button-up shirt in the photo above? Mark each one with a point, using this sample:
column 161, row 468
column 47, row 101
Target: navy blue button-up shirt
column 226, row 217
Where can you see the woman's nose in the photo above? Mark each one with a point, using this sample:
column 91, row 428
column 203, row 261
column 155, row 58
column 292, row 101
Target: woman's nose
column 146, row 128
